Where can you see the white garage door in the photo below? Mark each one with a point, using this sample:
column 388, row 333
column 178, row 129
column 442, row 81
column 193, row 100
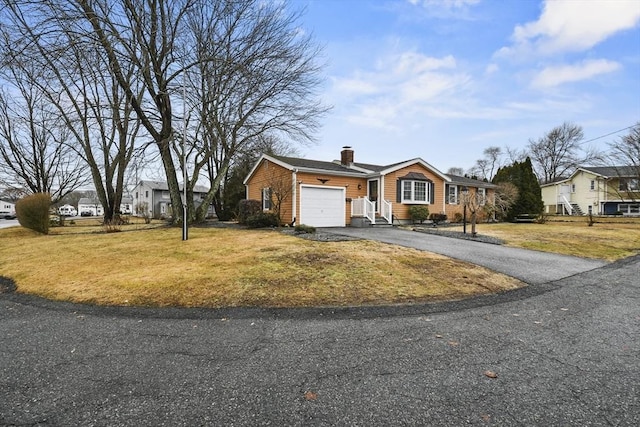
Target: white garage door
column 322, row 206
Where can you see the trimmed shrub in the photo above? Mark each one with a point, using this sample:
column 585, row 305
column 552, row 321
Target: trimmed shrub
column 457, row 217
column 302, row 228
column 418, row 213
column 33, row 212
column 263, row 220
column 248, row 208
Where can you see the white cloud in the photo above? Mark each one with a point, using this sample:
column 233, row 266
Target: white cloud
column 448, row 4
column 398, row 87
column 491, row 68
column 554, row 76
column 573, row 26
column 456, row 9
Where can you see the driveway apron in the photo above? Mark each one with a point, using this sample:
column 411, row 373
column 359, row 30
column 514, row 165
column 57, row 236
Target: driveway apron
column 532, row 267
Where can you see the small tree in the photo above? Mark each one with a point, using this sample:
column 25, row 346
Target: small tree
column 505, row 196
column 473, row 201
column 281, row 188
column 33, row 212
column 142, row 210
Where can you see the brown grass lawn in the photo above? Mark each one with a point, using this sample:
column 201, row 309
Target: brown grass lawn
column 604, row 240
column 229, row 267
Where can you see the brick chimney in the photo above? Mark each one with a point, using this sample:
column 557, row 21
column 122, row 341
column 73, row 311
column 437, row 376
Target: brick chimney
column 346, row 156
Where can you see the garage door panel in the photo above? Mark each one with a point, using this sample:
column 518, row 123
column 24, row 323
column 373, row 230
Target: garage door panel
column 322, row 206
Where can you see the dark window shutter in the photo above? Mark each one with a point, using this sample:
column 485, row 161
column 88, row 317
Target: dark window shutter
column 399, row 191
column 432, row 188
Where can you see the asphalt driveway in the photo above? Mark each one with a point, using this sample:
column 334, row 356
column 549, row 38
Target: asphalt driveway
column 531, row 267
column 567, row 354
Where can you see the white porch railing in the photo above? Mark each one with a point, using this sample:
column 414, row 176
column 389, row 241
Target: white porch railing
column 386, row 211
column 565, row 202
column 363, row 207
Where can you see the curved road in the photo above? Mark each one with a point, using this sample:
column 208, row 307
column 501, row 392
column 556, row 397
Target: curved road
column 562, row 353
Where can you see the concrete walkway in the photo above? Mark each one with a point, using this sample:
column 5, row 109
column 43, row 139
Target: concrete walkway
column 531, row 267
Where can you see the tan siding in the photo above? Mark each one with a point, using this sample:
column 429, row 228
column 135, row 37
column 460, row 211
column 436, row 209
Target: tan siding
column 401, row 211
column 269, row 174
column 350, row 183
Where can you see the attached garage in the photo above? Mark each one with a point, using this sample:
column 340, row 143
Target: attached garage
column 322, row 206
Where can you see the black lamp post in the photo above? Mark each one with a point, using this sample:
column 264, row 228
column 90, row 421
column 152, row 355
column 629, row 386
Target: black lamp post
column 465, row 191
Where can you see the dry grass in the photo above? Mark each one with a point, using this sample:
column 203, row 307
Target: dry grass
column 226, row 267
column 604, row 240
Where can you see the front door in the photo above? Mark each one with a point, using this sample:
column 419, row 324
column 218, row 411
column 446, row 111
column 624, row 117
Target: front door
column 373, row 192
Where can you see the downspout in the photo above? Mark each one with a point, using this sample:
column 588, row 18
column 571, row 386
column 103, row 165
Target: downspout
column 444, row 197
column 294, row 204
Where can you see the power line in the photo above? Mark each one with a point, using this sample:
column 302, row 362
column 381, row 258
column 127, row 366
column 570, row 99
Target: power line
column 609, row 134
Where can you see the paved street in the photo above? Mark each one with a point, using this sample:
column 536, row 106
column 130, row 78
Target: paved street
column 6, row 223
column 565, row 353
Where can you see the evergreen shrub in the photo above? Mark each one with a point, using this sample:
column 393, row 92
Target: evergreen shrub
column 248, row 208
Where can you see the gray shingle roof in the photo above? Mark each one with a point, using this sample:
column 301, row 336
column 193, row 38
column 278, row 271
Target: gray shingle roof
column 162, row 185
column 613, row 171
column 463, row 180
column 334, row 166
column 316, row 164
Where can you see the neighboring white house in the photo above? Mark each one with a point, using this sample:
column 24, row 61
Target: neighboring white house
column 596, row 190
column 155, row 194
column 91, row 206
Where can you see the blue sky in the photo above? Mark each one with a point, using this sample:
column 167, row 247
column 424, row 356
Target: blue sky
column 445, row 79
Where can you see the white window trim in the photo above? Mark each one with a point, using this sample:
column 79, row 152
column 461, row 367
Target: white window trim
column 266, row 198
column 412, row 200
column 455, row 195
column 482, row 193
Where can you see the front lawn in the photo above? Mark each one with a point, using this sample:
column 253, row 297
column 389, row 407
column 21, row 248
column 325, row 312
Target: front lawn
column 220, row 267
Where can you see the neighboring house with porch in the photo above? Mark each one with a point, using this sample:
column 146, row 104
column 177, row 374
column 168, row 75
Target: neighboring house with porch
column 155, row 196
column 92, row 206
column 612, row 190
column 340, row 193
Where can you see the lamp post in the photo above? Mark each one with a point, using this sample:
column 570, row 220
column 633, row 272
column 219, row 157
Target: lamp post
column 185, row 226
column 465, row 192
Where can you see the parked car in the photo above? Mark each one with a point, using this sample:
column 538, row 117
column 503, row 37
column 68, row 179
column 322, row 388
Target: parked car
column 67, row 210
column 86, row 213
column 8, row 215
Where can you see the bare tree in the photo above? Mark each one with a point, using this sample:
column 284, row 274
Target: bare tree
column 455, row 171
column 514, row 155
column 626, row 150
column 474, row 201
column 559, row 152
column 251, row 73
column 504, row 197
column 486, row 167
column 625, row 157
column 232, row 188
column 75, row 82
column 34, row 154
column 257, row 78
